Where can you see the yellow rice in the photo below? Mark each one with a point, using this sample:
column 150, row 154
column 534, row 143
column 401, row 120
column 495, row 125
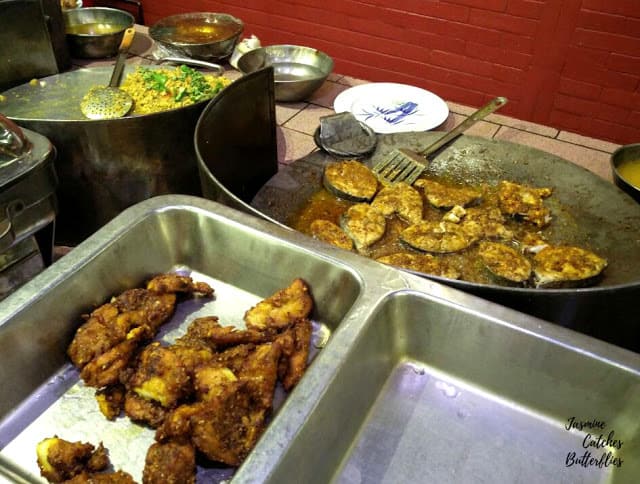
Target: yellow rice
column 175, row 91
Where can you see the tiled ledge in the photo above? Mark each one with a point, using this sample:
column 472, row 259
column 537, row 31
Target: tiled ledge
column 298, row 121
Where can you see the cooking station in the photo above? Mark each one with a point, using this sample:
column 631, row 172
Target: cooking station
column 412, row 378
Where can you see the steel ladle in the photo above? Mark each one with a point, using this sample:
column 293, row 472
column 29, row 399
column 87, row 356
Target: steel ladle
column 110, row 102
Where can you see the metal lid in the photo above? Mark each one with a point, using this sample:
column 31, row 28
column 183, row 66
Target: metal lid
column 20, row 151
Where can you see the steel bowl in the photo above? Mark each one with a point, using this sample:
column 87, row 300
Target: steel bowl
column 198, row 35
column 623, row 154
column 95, row 32
column 298, row 71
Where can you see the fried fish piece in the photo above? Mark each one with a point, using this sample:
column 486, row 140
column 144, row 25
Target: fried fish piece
column 60, row 460
column 425, row 263
column 171, row 282
column 160, row 376
column 364, row 224
column 281, row 309
column 143, row 410
column 330, row 233
column 438, row 237
column 444, row 196
column 350, row 180
column 505, row 262
column 260, row 371
column 486, row 223
column 98, row 334
column 296, row 345
column 226, row 428
column 111, row 400
column 172, row 462
column 524, row 202
column 105, row 369
column 402, row 199
column 208, row 331
column 566, row 266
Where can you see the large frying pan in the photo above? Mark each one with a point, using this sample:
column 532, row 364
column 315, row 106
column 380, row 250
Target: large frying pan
column 588, row 211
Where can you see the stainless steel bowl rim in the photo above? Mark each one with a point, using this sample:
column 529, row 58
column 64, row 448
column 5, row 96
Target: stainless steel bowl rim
column 152, row 30
column 291, row 47
column 68, row 13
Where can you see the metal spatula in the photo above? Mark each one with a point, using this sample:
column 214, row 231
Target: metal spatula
column 111, row 101
column 403, row 165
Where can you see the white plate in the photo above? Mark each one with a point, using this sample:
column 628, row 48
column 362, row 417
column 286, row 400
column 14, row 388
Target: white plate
column 388, row 107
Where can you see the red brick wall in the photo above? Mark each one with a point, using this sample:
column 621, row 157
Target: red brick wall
column 571, row 64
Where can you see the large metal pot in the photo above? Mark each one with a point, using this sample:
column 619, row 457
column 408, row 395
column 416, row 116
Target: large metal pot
column 105, row 166
column 597, row 212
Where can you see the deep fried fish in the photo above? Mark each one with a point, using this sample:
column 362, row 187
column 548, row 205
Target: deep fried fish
column 60, row 460
column 172, row 462
column 281, row 309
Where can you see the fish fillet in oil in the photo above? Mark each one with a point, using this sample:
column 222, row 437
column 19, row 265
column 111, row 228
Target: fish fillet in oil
column 438, row 237
column 425, row 263
column 524, row 202
column 350, row 180
column 505, row 262
column 443, row 196
column 364, row 224
column 566, row 266
column 401, row 199
column 330, row 233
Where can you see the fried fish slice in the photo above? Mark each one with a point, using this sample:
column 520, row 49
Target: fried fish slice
column 260, row 371
column 330, row 233
column 226, row 428
column 296, row 345
column 444, row 196
column 281, row 309
column 486, row 223
column 364, row 224
column 111, row 400
column 60, row 460
column 171, row 282
column 160, row 376
column 142, row 410
column 350, row 180
column 438, row 237
column 524, row 202
column 566, row 266
column 116, row 477
column 505, row 262
column 170, row 463
column 209, row 332
column 401, row 199
column 425, row 263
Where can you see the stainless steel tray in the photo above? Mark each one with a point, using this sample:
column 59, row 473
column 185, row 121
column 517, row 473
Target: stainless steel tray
column 418, row 382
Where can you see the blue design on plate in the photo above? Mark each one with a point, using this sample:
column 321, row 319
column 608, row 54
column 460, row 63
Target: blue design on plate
column 392, row 115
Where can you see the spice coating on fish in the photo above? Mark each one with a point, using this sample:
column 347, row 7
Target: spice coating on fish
column 401, row 199
column 364, row 224
column 330, row 233
column 566, row 266
column 425, row 263
column 505, row 262
column 438, row 237
column 350, row 180
column 442, row 196
column 524, row 202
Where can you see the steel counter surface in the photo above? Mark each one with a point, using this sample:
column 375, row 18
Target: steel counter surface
column 414, row 379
